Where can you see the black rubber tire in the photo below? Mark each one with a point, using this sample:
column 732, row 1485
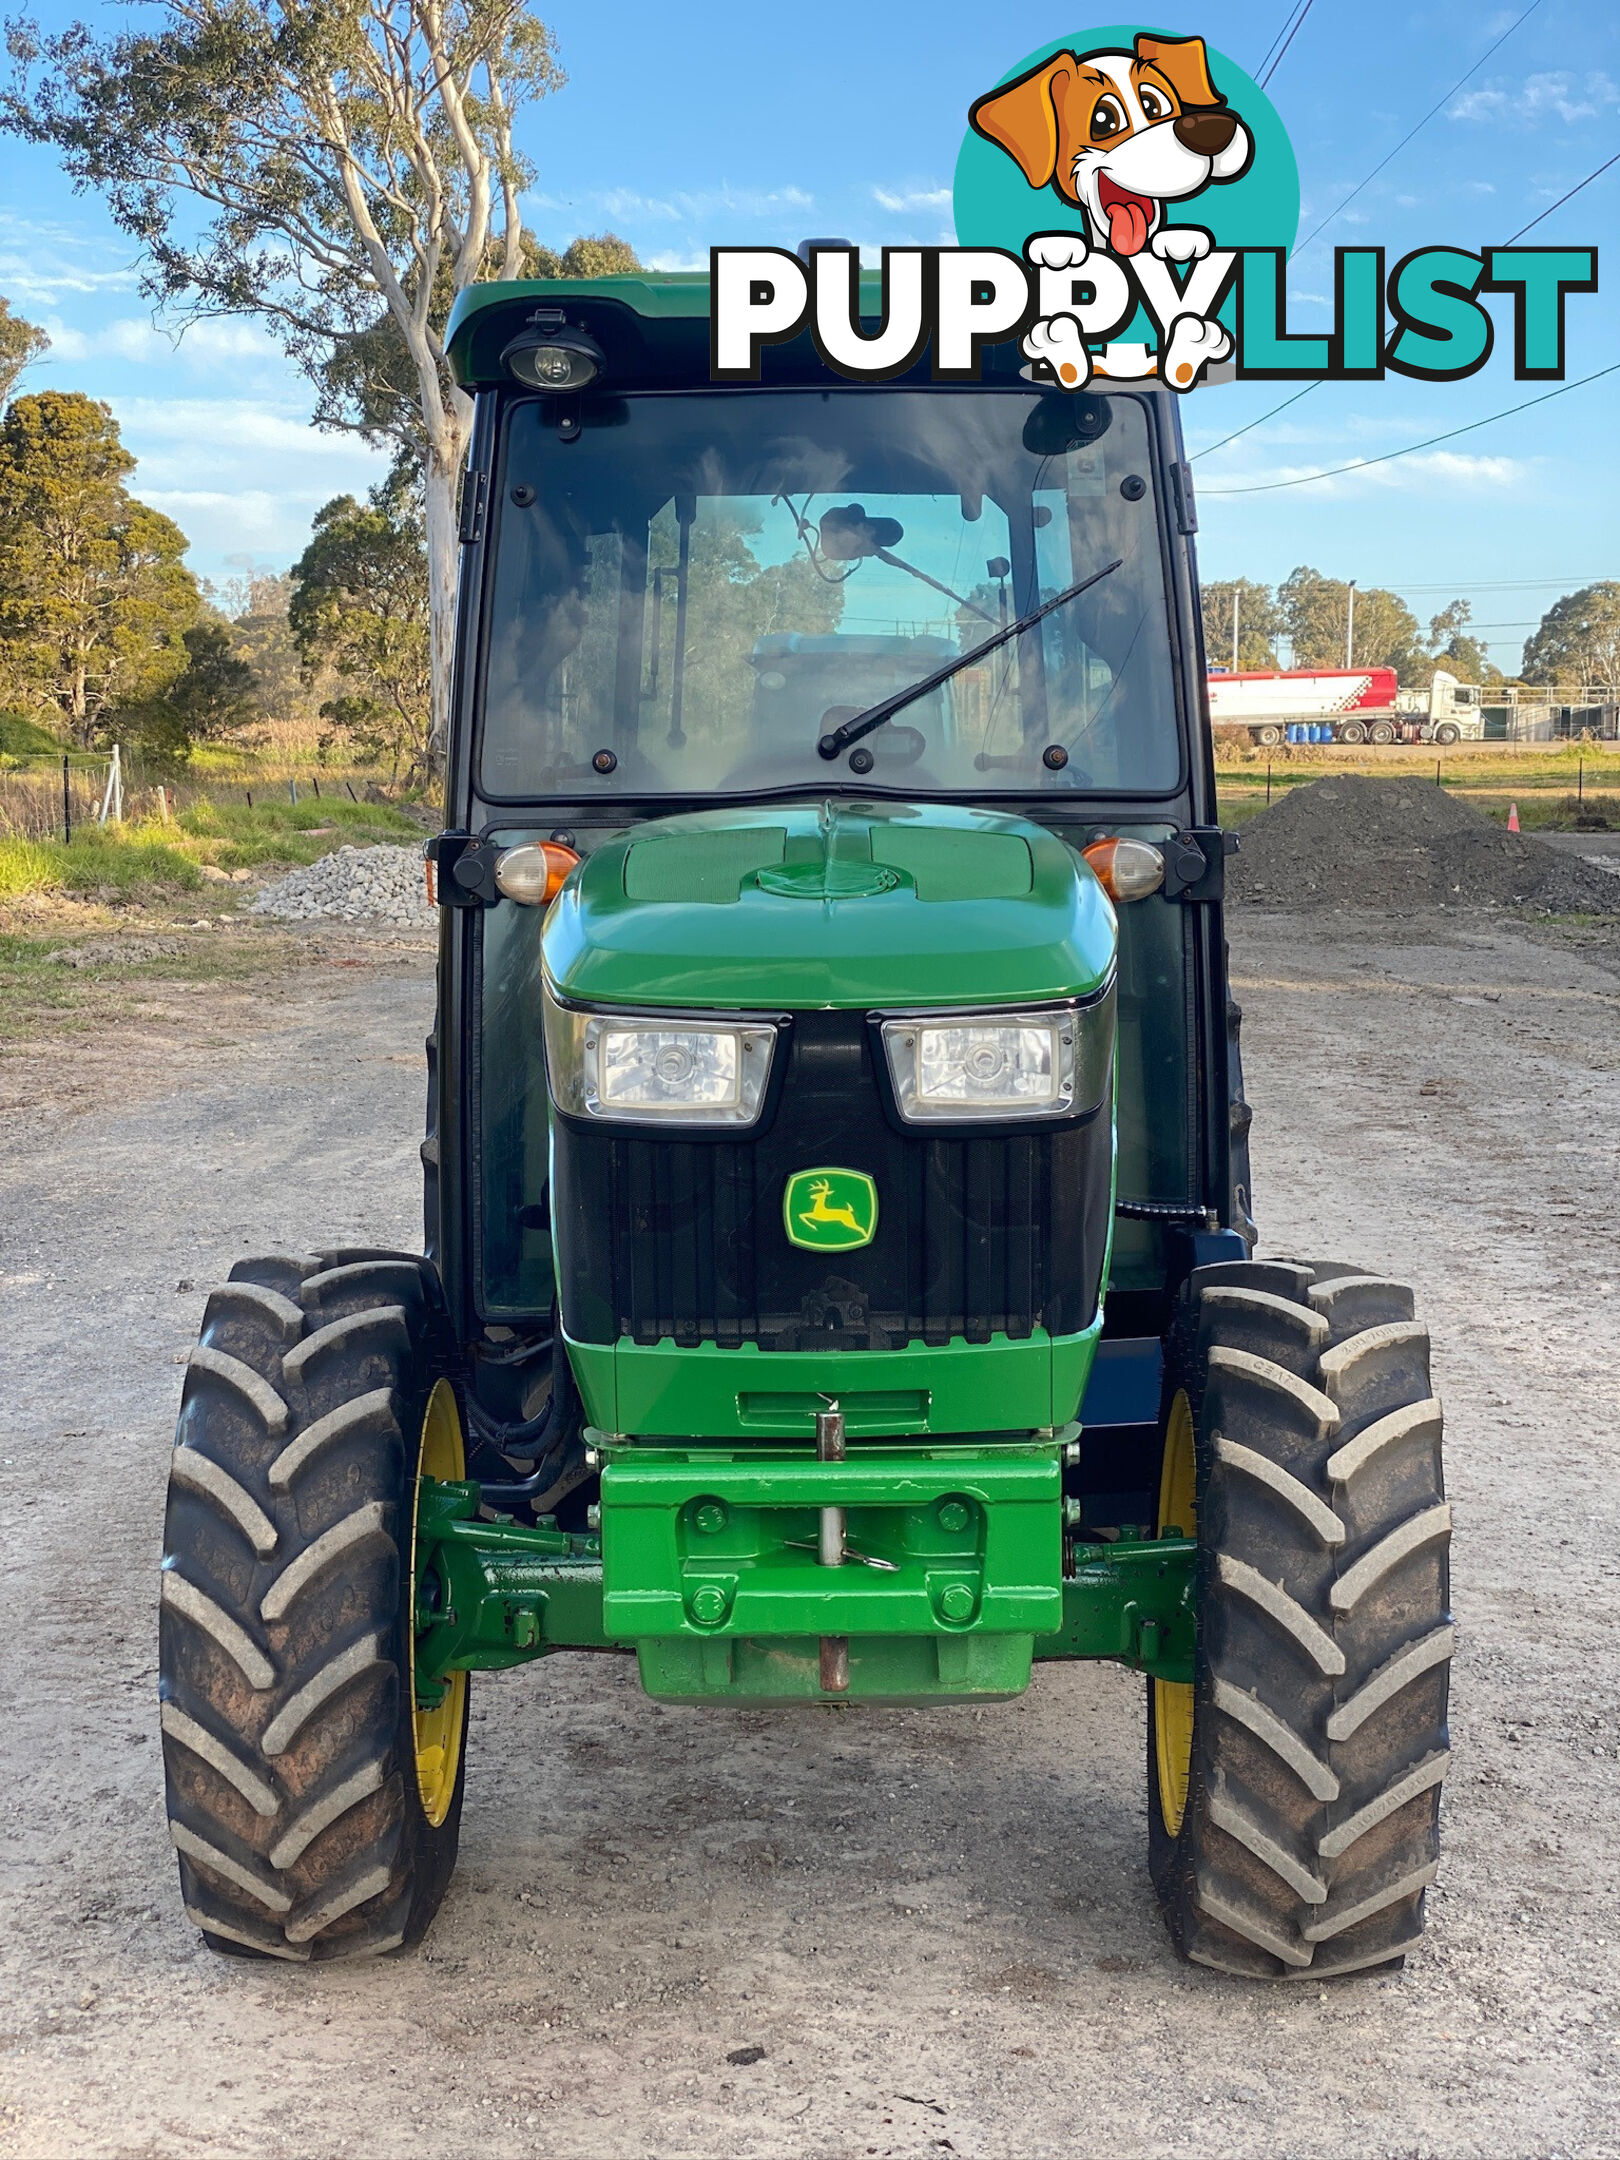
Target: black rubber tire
column 283, row 1654
column 1319, row 1738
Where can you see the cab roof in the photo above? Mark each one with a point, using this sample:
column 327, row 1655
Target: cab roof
column 652, row 326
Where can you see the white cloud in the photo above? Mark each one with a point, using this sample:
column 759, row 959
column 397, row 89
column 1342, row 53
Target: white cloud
column 682, row 207
column 42, row 263
column 1418, row 470
column 139, row 342
column 1555, row 93
column 231, row 424
column 912, row 199
column 238, row 474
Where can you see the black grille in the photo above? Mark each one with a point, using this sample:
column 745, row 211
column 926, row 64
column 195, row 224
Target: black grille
column 684, row 1239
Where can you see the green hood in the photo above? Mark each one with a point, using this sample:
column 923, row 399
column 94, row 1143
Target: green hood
column 831, row 904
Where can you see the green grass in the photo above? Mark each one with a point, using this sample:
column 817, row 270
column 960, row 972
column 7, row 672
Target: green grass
column 96, row 860
column 134, row 857
column 237, row 838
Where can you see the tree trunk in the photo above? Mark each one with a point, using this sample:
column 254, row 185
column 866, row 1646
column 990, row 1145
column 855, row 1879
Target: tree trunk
column 442, row 550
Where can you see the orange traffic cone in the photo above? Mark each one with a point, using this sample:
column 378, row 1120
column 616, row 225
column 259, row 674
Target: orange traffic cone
column 1513, row 817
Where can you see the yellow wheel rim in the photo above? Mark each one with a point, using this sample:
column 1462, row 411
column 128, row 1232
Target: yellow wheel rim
column 439, row 1731
column 1173, row 1699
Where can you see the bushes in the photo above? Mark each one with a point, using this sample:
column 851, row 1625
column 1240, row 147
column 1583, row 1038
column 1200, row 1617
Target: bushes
column 21, row 737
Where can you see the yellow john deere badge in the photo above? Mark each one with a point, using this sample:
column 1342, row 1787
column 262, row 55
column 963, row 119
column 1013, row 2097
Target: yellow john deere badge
column 830, row 1210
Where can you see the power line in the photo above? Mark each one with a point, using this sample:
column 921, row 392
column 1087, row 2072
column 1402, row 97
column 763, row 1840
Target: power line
column 1267, row 71
column 1489, row 584
column 1559, row 204
column 1422, row 124
column 1287, row 41
column 1211, row 448
column 1268, row 487
column 1260, row 71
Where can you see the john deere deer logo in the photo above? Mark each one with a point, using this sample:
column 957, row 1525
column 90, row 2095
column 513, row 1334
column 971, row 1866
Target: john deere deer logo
column 830, row 1210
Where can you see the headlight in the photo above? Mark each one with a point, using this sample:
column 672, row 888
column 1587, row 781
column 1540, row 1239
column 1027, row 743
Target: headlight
column 653, row 1070
column 962, row 1067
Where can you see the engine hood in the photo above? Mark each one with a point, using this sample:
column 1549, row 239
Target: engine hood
column 831, row 904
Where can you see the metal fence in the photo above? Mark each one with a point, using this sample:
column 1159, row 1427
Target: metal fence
column 44, row 795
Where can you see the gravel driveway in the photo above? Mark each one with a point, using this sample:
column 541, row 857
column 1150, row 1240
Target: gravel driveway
column 826, row 1934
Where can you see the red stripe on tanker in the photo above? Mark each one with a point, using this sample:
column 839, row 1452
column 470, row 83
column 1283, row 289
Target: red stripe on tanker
column 1301, row 693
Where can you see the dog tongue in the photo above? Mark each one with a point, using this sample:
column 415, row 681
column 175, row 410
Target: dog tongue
column 1127, row 224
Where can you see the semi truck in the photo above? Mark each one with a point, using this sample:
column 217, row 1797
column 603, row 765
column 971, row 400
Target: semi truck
column 1342, row 705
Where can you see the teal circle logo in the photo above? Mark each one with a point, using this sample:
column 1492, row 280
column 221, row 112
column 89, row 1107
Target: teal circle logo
column 1118, row 133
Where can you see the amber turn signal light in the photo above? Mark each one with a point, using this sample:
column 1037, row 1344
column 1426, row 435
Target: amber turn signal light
column 534, row 873
column 1126, row 869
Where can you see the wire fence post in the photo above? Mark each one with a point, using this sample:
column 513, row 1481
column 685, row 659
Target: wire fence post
column 1268, row 783
column 67, row 805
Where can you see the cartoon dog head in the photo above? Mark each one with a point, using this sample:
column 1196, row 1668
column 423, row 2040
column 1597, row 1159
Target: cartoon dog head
column 1119, row 134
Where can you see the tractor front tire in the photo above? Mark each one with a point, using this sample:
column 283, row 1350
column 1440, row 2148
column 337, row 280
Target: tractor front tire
column 314, row 1810
column 1294, row 1787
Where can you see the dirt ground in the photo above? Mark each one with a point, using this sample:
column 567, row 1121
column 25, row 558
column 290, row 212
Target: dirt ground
column 931, row 1932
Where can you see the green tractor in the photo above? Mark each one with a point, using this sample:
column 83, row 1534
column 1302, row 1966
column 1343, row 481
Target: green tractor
column 838, row 1284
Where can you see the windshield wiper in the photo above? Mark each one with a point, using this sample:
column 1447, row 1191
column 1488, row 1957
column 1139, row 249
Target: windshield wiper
column 863, row 723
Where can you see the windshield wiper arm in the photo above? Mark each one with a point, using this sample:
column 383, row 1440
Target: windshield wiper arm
column 863, row 723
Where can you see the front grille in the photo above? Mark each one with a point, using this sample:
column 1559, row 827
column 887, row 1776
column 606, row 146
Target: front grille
column 682, row 1239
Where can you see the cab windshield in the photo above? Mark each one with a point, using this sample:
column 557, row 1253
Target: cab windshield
column 691, row 591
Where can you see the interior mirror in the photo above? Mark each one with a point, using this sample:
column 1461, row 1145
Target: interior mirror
column 849, row 535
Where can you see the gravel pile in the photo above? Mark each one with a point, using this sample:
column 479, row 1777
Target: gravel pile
column 353, row 884
column 1403, row 846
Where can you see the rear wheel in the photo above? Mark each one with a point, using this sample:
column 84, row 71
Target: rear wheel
column 1382, row 732
column 1268, row 736
column 1353, row 731
column 315, row 1810
column 1294, row 1788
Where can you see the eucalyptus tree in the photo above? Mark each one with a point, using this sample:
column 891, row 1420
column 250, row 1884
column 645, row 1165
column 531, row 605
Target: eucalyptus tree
column 326, row 165
column 21, row 344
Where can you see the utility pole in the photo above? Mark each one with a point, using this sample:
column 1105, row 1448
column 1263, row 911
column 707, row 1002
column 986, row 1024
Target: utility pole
column 1237, row 595
column 1350, row 629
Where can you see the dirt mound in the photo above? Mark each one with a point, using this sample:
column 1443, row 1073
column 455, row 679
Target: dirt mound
column 1403, row 846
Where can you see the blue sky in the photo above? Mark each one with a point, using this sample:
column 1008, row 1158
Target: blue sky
column 734, row 123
